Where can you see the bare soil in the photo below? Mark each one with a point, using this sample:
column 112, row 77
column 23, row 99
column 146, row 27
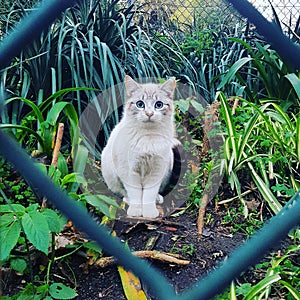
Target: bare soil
column 173, row 234
column 181, row 237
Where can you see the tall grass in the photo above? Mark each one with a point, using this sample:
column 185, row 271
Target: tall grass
column 262, row 74
column 263, row 141
column 91, row 45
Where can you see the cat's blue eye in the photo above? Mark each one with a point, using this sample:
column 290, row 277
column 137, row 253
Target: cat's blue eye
column 140, row 104
column 158, row 105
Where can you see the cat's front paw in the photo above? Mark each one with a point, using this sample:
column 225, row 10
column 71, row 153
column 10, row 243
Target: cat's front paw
column 159, row 199
column 134, row 210
column 150, row 211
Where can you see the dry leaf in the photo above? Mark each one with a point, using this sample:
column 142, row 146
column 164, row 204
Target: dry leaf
column 131, row 285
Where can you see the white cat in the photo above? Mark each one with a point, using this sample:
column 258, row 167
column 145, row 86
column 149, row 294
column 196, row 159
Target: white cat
column 138, row 156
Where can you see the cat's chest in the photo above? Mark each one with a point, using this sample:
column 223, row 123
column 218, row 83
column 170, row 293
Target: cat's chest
column 142, row 141
column 149, row 154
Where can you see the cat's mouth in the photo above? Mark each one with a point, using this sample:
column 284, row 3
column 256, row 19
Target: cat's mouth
column 148, row 121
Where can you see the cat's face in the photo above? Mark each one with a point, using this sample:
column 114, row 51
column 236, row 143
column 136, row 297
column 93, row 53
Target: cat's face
column 149, row 104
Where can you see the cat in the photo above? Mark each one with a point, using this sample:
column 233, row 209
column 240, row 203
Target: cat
column 138, row 156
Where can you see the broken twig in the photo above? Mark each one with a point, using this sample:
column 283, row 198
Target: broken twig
column 153, row 254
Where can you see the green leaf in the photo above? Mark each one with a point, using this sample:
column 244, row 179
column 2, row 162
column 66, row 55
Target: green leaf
column 92, row 246
column 56, row 176
column 243, row 289
column 32, row 207
column 295, row 82
column 96, row 201
column 6, row 219
column 297, row 138
column 232, row 136
column 80, row 159
column 183, row 105
column 18, row 264
column 55, row 112
column 62, row 164
column 228, row 78
column 14, row 208
column 291, row 289
column 35, row 109
column 109, row 200
column 248, row 132
column 232, row 291
column 9, row 238
column 199, row 108
column 37, row 230
column 24, row 129
column 53, row 219
column 61, row 291
column 70, row 178
column 265, row 191
column 79, row 163
column 261, row 286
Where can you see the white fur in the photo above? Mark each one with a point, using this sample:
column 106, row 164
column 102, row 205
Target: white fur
column 138, row 156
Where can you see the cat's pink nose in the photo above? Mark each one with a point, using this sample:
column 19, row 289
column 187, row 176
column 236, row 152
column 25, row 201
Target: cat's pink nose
column 149, row 114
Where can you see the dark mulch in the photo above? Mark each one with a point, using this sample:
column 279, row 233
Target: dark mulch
column 174, row 234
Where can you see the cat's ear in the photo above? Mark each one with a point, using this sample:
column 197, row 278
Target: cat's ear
column 130, row 85
column 169, row 86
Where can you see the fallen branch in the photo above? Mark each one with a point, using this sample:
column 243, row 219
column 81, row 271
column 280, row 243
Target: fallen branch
column 153, row 220
column 153, row 254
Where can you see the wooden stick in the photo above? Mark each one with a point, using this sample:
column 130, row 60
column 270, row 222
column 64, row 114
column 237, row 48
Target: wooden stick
column 59, row 136
column 57, row 146
column 201, row 213
column 211, row 117
column 153, row 220
column 152, row 254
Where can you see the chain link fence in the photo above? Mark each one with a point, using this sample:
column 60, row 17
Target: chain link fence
column 190, row 14
column 184, row 15
column 288, row 11
column 245, row 256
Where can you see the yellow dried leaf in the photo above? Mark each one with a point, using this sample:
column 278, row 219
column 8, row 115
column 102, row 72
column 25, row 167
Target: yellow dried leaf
column 131, row 285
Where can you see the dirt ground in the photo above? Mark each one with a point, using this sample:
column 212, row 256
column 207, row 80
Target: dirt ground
column 179, row 235
column 173, row 234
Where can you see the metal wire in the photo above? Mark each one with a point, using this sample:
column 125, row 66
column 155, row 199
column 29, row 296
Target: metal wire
column 31, row 27
column 190, row 13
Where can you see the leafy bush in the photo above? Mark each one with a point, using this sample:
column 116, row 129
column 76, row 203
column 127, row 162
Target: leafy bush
column 262, row 74
column 281, row 274
column 264, row 140
column 92, row 45
column 207, row 55
column 35, row 224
